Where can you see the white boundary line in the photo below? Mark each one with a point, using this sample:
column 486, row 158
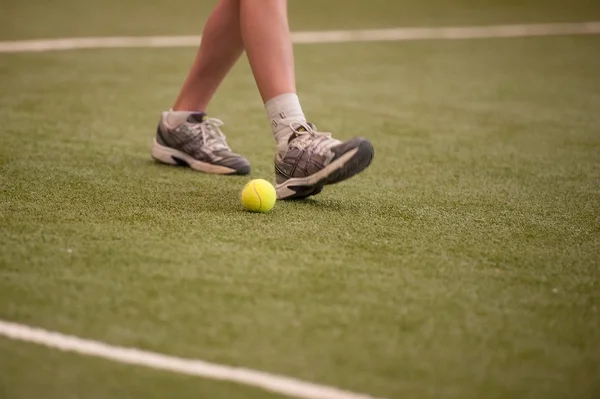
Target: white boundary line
column 269, row 382
column 341, row 36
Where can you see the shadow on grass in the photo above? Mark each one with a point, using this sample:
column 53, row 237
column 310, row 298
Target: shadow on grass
column 182, row 186
column 318, row 204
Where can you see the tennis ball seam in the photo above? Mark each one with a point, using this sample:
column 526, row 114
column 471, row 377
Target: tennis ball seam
column 258, row 195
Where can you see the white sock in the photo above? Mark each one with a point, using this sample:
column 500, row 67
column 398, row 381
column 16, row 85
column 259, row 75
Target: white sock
column 175, row 118
column 282, row 111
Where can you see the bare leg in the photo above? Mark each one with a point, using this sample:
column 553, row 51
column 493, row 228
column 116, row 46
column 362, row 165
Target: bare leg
column 221, row 47
column 266, row 36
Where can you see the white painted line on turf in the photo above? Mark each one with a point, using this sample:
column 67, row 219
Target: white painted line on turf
column 340, row 36
column 448, row 33
column 269, row 382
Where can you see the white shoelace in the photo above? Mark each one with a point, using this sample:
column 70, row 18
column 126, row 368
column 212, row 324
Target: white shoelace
column 212, row 136
column 318, row 142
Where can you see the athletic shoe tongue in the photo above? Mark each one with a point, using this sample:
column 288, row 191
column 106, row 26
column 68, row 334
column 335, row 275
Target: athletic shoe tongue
column 295, row 135
column 300, row 130
column 196, row 117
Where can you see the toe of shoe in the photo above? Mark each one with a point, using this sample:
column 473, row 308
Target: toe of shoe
column 239, row 165
column 363, row 146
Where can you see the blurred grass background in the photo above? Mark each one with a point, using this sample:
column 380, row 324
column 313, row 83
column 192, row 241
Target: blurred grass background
column 27, row 19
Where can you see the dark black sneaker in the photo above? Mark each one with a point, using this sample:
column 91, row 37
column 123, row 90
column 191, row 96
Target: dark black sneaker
column 197, row 143
column 314, row 159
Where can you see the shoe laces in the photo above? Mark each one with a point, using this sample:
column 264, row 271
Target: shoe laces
column 210, row 132
column 305, row 135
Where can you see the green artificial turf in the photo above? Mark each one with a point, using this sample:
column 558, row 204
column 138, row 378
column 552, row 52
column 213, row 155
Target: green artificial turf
column 462, row 264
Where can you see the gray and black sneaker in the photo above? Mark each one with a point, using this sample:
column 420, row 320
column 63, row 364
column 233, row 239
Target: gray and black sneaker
column 197, row 143
column 314, row 159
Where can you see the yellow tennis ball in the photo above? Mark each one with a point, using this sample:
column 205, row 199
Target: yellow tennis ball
column 258, row 196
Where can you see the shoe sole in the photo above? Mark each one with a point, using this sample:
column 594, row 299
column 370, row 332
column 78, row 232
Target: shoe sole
column 171, row 156
column 347, row 165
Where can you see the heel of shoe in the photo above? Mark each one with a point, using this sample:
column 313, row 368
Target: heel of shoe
column 162, row 154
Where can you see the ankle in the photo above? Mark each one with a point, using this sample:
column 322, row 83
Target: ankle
column 282, row 111
column 173, row 118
